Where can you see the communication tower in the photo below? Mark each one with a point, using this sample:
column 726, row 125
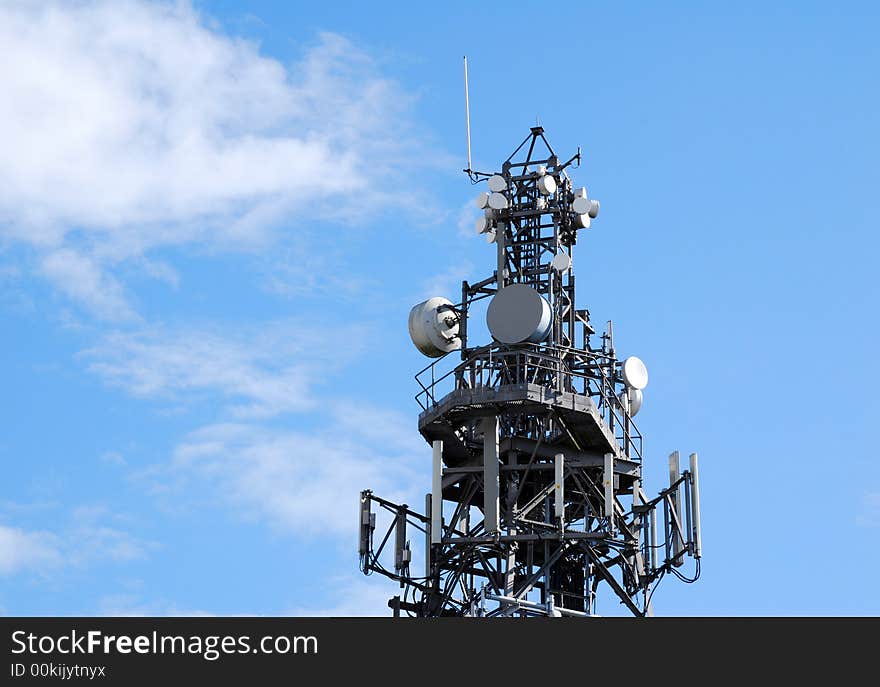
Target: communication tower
column 536, row 500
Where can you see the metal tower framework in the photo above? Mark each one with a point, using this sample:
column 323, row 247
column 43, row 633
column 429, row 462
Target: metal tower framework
column 536, row 496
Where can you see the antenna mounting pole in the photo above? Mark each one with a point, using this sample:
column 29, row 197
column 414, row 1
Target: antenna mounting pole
column 467, row 117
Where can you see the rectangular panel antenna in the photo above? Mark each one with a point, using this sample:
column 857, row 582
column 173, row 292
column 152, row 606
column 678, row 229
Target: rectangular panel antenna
column 695, row 505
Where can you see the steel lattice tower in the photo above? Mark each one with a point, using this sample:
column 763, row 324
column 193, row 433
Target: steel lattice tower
column 536, row 495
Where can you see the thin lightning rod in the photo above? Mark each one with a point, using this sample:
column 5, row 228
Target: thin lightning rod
column 467, row 115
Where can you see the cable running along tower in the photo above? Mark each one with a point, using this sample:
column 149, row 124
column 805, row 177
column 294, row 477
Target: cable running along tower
column 536, row 502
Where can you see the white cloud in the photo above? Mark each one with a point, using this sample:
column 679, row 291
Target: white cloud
column 81, row 278
column 132, row 605
column 90, row 536
column 138, row 125
column 305, row 483
column 353, row 597
column 21, row 550
column 260, row 371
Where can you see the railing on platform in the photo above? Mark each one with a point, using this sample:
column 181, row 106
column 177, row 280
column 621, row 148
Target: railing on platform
column 553, row 367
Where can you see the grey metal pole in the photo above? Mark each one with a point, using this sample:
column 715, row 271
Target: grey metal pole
column 437, row 494
column 490, row 473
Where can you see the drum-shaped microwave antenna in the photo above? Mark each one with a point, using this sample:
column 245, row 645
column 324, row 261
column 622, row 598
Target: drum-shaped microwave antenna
column 518, row 313
column 561, row 262
column 580, row 205
column 497, row 183
column 497, row 201
column 547, row 185
column 582, row 221
column 635, row 398
column 483, row 200
column 433, row 327
column 635, row 374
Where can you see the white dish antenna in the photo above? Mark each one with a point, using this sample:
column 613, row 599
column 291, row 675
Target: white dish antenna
column 483, row 200
column 497, row 183
column 583, row 221
column 635, row 374
column 547, row 185
column 433, row 327
column 497, row 201
column 580, row 205
column 482, row 225
column 491, row 235
column 635, row 397
column 561, row 262
column 519, row 313
column 594, row 209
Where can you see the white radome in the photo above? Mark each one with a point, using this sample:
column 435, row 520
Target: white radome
column 497, row 201
column 635, row 397
column 433, row 327
column 547, row 185
column 497, row 183
column 561, row 262
column 580, row 205
column 635, row 374
column 483, row 200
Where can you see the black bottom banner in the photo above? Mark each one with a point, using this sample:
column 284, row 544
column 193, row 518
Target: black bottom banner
column 171, row 651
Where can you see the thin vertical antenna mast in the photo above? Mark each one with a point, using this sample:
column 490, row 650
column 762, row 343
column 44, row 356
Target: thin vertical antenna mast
column 467, row 116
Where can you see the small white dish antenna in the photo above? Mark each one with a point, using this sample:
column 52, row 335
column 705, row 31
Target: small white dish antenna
column 482, row 225
column 497, row 183
column 561, row 262
column 583, row 221
column 433, row 327
column 483, row 200
column 580, row 205
column 491, row 235
column 497, row 201
column 547, row 185
column 635, row 374
column 635, row 398
column 594, row 209
column 542, row 170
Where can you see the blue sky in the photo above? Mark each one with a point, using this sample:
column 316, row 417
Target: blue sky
column 215, row 217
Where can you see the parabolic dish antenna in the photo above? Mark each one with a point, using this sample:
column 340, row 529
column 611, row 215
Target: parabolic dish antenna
column 497, row 183
column 519, row 313
column 580, row 205
column 433, row 327
column 497, row 201
column 483, row 200
column 635, row 398
column 561, row 262
column 547, row 185
column 482, row 225
column 635, row 374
